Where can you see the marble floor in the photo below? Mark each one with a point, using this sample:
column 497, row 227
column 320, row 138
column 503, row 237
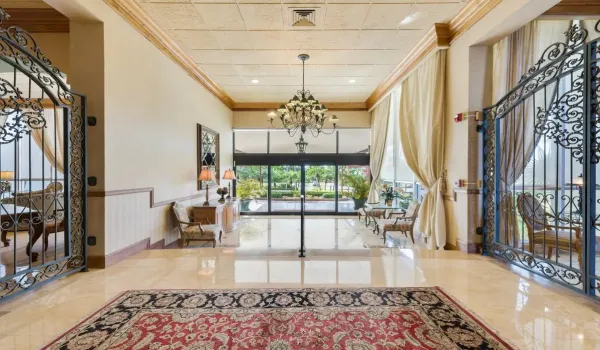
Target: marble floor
column 321, row 233
column 531, row 313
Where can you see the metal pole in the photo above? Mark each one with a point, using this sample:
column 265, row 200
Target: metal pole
column 302, row 250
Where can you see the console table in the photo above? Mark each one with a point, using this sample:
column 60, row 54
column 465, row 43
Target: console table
column 226, row 215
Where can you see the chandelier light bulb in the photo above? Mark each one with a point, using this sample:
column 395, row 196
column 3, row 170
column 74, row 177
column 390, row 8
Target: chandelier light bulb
column 271, row 115
column 303, row 112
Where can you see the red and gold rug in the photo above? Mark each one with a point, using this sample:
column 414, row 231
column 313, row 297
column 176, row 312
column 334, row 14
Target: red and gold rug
column 278, row 319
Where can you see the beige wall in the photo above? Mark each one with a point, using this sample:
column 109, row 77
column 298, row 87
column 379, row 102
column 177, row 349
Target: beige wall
column 56, row 47
column 468, row 89
column 146, row 136
column 258, row 119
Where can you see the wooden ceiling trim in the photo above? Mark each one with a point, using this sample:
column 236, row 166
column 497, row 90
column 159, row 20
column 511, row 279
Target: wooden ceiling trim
column 438, row 37
column 138, row 18
column 575, row 8
column 37, row 20
column 270, row 106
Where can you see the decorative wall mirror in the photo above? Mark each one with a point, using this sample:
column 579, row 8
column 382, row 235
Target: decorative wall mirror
column 208, row 152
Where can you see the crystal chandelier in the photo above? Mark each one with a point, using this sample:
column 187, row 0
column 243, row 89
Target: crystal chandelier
column 303, row 112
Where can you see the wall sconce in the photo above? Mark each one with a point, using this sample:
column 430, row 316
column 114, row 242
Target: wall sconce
column 463, row 116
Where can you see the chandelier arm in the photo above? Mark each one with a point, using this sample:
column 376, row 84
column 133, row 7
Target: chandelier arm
column 329, row 133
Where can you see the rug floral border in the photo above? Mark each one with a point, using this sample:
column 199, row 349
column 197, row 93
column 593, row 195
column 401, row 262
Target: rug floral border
column 441, row 309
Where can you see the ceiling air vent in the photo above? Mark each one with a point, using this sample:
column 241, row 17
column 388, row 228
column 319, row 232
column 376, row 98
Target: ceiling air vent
column 304, row 18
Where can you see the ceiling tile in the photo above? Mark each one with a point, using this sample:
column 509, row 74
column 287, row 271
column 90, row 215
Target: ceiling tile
column 345, row 16
column 257, row 57
column 221, row 16
column 211, row 56
column 219, row 69
column 229, row 81
column 257, row 70
column 250, row 39
column 235, row 44
column 388, row 16
column 194, row 39
column 262, row 16
column 338, row 39
column 174, row 15
column 388, row 39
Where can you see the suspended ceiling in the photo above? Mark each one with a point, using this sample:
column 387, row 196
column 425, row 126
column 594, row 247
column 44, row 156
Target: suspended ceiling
column 353, row 47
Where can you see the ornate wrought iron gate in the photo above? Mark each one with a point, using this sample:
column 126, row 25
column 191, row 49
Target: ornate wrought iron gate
column 43, row 167
column 541, row 156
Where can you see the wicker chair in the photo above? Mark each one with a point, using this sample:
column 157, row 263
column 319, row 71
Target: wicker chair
column 404, row 222
column 193, row 230
column 544, row 228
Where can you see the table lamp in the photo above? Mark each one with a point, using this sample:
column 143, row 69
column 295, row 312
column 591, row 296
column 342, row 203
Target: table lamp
column 229, row 175
column 5, row 177
column 206, row 175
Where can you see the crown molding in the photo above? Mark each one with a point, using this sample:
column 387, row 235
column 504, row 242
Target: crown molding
column 37, row 20
column 269, row 106
column 575, row 8
column 137, row 17
column 440, row 36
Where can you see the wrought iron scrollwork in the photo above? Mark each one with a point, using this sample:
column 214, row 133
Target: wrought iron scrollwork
column 12, row 102
column 540, row 266
column 19, row 50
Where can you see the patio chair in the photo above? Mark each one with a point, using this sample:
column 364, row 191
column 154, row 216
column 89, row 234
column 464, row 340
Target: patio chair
column 544, row 228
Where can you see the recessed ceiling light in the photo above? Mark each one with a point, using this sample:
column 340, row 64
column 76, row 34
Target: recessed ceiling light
column 352, row 81
column 409, row 19
column 254, row 81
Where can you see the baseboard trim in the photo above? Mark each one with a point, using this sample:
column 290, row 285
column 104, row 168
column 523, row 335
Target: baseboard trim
column 158, row 245
column 466, row 247
column 174, row 244
column 102, row 262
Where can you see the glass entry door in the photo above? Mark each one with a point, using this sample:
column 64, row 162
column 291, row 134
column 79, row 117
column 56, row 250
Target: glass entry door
column 286, row 187
column 320, row 188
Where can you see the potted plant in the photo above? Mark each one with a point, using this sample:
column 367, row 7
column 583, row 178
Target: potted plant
column 388, row 195
column 360, row 189
column 247, row 191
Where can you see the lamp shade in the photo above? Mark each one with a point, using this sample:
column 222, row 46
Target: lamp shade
column 229, row 175
column 206, row 175
column 578, row 181
column 7, row 175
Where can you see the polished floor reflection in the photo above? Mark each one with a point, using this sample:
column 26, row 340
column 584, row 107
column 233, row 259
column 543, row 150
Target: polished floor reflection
column 321, row 233
column 530, row 313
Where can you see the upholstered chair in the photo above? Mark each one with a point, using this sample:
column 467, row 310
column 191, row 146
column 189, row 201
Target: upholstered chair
column 403, row 222
column 194, row 230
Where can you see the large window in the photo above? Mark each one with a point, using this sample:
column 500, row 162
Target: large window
column 395, row 172
column 272, row 176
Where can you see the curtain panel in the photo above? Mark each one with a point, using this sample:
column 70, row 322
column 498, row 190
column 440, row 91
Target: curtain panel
column 512, row 58
column 379, row 128
column 421, row 122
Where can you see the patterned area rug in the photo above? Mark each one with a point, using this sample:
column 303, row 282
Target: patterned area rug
column 358, row 319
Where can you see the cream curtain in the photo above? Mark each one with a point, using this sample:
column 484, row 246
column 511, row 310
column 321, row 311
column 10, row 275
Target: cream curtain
column 50, row 138
column 590, row 25
column 513, row 56
column 421, row 124
column 379, row 126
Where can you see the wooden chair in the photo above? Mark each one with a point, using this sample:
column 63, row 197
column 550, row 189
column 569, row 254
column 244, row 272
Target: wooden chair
column 544, row 228
column 404, row 222
column 190, row 230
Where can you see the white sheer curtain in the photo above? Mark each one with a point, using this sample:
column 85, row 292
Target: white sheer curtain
column 422, row 132
column 379, row 129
